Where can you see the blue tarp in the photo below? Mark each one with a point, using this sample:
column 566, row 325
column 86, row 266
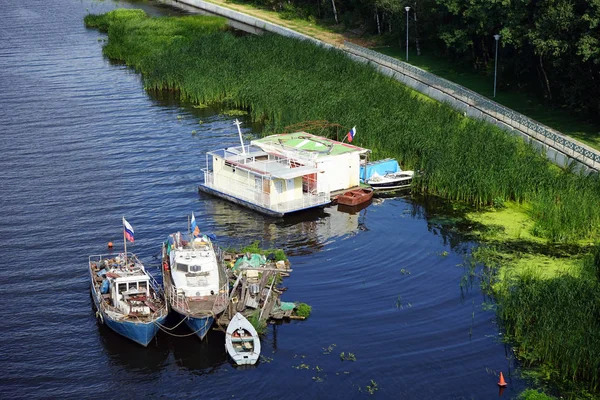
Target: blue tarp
column 380, row 167
column 105, row 286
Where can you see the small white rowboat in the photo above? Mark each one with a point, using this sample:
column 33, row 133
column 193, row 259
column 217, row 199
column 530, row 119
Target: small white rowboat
column 241, row 341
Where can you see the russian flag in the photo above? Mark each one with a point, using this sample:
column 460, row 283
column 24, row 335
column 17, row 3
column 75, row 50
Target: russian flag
column 128, row 229
column 351, row 134
column 195, row 229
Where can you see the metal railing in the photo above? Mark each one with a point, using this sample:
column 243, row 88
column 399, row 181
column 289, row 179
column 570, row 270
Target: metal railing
column 241, row 189
column 511, row 118
column 176, row 300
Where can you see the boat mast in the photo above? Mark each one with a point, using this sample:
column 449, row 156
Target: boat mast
column 124, row 241
column 238, row 123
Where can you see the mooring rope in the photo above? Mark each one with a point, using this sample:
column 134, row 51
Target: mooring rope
column 165, row 329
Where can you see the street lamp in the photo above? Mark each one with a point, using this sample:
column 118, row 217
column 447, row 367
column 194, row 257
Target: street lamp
column 497, row 37
column 407, row 8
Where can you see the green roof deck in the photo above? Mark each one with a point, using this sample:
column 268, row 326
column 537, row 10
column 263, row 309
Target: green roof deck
column 307, row 142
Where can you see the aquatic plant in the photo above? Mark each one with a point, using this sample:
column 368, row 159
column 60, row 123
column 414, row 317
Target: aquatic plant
column 532, row 394
column 259, row 324
column 555, row 323
column 303, row 310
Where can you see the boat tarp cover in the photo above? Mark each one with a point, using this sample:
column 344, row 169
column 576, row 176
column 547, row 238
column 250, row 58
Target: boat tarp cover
column 286, row 305
column 381, row 167
column 254, row 261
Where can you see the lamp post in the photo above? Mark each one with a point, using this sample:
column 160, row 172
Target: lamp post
column 407, row 8
column 497, row 37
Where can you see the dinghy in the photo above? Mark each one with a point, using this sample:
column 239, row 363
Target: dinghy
column 241, row 341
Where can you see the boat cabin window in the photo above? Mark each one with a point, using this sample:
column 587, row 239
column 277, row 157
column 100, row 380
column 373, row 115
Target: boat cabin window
column 182, row 267
column 133, row 286
column 122, row 287
column 195, row 268
column 143, row 287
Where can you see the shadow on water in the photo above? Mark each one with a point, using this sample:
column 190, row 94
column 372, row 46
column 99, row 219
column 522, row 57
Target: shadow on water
column 187, row 351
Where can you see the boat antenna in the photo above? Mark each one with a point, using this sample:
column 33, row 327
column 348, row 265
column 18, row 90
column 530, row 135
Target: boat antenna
column 238, row 123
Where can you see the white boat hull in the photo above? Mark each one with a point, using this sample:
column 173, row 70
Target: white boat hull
column 241, row 341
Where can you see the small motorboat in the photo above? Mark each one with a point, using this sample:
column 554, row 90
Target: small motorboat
column 391, row 180
column 241, row 341
column 355, row 197
column 385, row 175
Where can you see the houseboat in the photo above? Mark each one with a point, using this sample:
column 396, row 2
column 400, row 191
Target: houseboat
column 282, row 174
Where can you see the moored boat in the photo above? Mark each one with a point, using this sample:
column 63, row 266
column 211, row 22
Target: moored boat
column 195, row 279
column 355, row 197
column 127, row 298
column 242, row 341
column 386, row 175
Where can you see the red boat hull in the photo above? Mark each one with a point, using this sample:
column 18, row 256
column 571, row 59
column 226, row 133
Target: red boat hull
column 355, row 197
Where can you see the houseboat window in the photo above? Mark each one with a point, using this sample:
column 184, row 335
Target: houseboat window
column 133, row 285
column 143, row 286
column 122, row 287
column 278, row 186
column 182, row 267
column 195, row 268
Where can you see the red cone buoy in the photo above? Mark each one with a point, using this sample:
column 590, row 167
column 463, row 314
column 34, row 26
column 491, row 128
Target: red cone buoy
column 501, row 383
column 110, row 245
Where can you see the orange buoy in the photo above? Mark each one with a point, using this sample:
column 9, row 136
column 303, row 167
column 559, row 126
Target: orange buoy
column 501, row 383
column 110, row 245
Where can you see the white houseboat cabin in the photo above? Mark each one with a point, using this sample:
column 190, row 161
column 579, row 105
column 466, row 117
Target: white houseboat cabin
column 281, row 174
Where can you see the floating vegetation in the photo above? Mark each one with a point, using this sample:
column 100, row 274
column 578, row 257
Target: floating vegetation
column 301, row 366
column 554, row 323
column 372, row 387
column 235, row 113
column 259, row 324
column 303, row 310
column 404, row 271
column 347, row 357
column 264, row 359
column 329, row 349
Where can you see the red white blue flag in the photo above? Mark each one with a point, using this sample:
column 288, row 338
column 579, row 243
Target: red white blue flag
column 128, row 230
column 351, row 134
column 195, row 229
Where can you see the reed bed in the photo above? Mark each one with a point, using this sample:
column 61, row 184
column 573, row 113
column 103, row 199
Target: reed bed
column 281, row 81
column 555, row 323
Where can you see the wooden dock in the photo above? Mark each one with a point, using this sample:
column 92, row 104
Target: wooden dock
column 254, row 290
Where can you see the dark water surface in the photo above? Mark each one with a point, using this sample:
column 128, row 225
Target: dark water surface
column 83, row 144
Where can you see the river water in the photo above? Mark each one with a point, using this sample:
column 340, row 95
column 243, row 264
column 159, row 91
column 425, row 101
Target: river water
column 83, row 144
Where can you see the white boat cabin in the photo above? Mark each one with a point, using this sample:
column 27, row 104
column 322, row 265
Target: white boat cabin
column 280, row 174
column 194, row 267
column 132, row 292
column 338, row 162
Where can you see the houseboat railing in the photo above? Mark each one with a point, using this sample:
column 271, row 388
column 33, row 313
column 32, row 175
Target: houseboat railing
column 262, row 198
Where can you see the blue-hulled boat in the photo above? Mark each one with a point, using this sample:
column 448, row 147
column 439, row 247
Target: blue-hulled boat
column 127, row 298
column 195, row 280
